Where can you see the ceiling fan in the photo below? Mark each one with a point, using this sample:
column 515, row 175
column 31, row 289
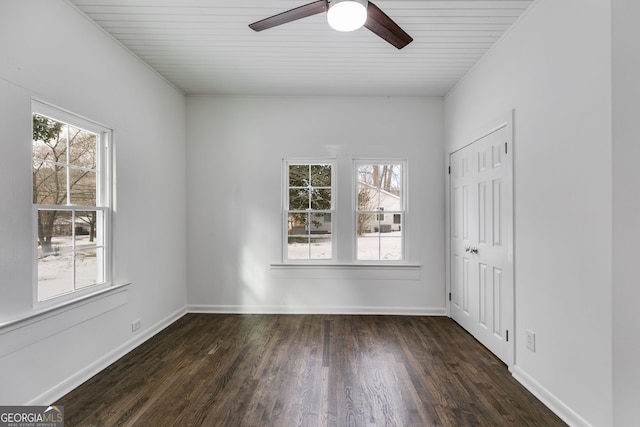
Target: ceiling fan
column 344, row 15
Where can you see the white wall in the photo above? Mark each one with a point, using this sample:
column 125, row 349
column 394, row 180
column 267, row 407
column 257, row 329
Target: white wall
column 554, row 69
column 51, row 52
column 234, row 157
column 626, row 212
column 559, row 83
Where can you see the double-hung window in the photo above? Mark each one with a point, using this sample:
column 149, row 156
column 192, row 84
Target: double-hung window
column 379, row 215
column 380, row 210
column 71, row 203
column 308, row 210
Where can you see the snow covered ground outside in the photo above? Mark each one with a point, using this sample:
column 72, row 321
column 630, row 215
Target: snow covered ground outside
column 371, row 247
column 55, row 272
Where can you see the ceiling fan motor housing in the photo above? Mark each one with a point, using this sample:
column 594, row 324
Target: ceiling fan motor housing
column 347, row 15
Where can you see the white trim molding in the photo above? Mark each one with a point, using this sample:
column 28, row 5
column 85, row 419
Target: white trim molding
column 287, row 309
column 549, row 399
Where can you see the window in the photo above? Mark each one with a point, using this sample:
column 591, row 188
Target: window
column 308, row 210
column 70, row 202
column 380, row 210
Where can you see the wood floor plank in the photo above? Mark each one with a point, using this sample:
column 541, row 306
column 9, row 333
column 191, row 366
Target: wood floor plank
column 307, row 370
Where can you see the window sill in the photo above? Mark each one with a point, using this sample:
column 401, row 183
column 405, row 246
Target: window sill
column 349, row 266
column 351, row 271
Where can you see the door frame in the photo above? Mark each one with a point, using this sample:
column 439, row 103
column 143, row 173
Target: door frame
column 505, row 121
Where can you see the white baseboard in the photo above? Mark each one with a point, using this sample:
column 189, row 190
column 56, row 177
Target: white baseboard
column 549, row 399
column 55, row 393
column 286, row 309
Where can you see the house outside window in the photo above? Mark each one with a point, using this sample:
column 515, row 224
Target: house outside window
column 380, row 210
column 71, row 203
column 308, row 210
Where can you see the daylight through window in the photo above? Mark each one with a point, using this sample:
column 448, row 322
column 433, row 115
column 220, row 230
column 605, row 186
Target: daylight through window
column 308, row 211
column 70, row 200
column 380, row 211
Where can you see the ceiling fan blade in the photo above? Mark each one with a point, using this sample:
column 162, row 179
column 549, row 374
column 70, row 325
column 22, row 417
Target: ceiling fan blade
column 379, row 23
column 290, row 15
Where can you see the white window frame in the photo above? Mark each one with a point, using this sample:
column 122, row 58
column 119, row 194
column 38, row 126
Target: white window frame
column 285, row 209
column 391, row 213
column 104, row 189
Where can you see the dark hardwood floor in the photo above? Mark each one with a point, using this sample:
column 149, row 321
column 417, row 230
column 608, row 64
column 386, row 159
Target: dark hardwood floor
column 307, row 370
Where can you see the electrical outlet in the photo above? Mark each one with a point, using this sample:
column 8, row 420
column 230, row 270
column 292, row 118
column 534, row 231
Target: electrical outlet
column 135, row 325
column 531, row 341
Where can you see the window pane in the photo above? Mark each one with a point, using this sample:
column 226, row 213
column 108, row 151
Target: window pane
column 309, row 236
column 304, row 247
column 49, row 140
column 82, row 148
column 298, row 199
column 55, row 275
column 298, row 247
column 320, row 247
column 85, row 227
column 391, row 248
column 89, row 268
column 367, row 223
column 49, row 183
column 297, row 224
column 368, row 197
column 321, row 199
column 374, row 247
column 320, row 223
column 55, row 253
column 378, row 240
column 83, row 187
column 368, row 247
column 320, row 175
column 298, row 175
column 54, row 232
column 379, row 185
column 365, row 173
column 49, row 147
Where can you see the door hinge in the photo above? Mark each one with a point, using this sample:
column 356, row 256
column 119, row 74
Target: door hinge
column 449, row 296
column 449, row 170
column 507, row 335
column 505, row 148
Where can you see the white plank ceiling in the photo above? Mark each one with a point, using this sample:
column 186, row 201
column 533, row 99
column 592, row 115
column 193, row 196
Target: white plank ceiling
column 205, row 47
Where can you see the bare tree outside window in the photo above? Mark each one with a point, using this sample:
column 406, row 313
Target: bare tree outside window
column 64, row 173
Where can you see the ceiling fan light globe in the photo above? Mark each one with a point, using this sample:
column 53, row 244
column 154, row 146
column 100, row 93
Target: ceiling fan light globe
column 347, row 15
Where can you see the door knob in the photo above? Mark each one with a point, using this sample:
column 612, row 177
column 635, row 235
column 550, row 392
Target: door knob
column 473, row 251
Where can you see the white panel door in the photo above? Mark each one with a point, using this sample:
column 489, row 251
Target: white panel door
column 482, row 289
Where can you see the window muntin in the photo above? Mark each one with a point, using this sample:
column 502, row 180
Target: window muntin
column 309, row 210
column 70, row 203
column 380, row 210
